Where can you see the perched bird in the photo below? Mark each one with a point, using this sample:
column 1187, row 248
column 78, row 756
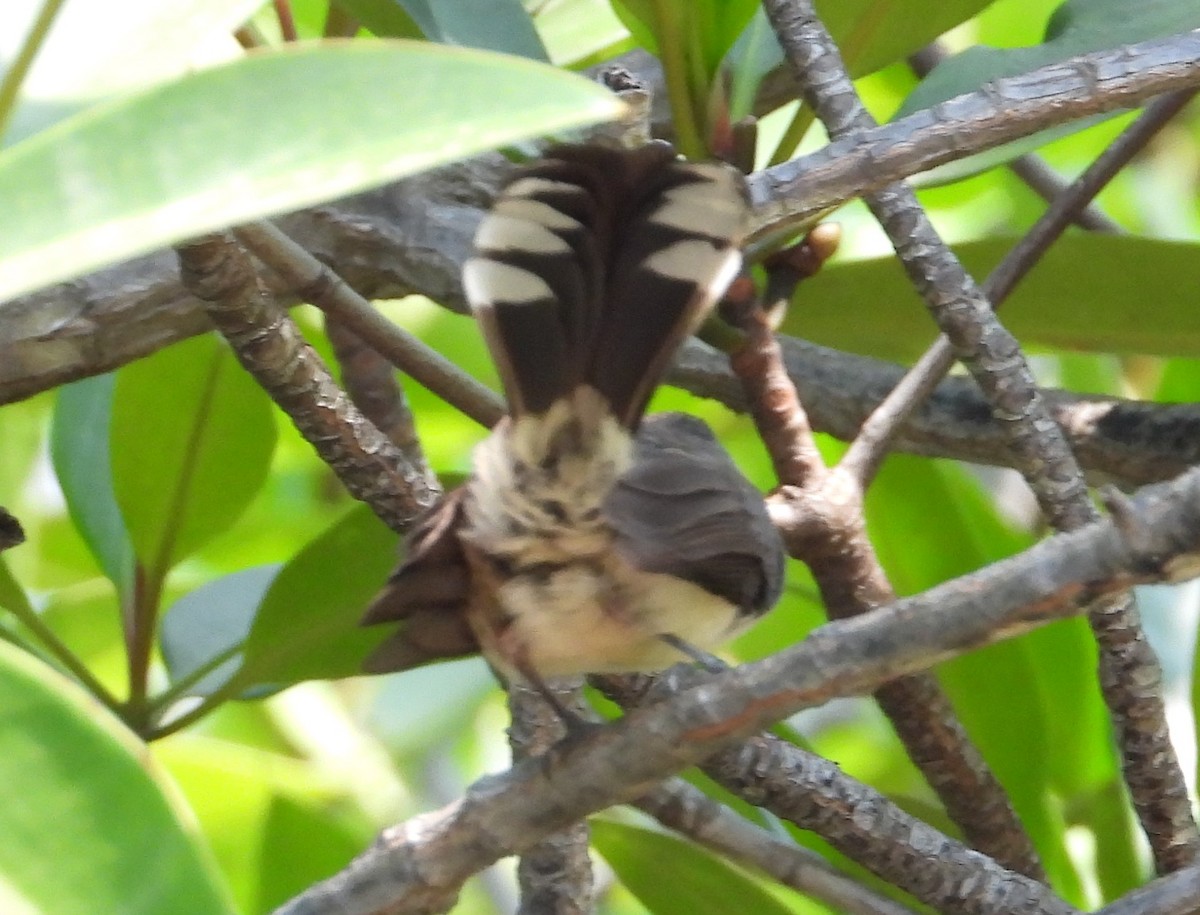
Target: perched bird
column 585, row 539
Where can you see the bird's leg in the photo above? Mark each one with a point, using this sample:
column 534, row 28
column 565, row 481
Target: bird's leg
column 708, row 661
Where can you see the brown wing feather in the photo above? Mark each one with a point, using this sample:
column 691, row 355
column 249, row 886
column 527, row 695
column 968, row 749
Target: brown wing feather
column 685, row 509
column 427, row 595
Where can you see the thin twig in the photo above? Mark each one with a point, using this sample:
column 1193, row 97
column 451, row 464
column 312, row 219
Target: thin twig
column 316, row 283
column 370, row 381
column 1004, row 110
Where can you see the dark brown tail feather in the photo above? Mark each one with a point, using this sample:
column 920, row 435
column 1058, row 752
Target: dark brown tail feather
column 594, row 265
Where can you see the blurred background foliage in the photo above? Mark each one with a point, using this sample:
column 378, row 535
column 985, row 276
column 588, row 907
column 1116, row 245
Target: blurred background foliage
column 174, row 484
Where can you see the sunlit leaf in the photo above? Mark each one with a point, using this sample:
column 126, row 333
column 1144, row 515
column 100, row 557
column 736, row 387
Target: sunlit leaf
column 1091, row 292
column 64, row 763
column 79, row 447
column 707, row 27
column 191, row 438
column 307, row 626
column 234, row 788
column 575, row 30
column 94, row 51
column 272, row 132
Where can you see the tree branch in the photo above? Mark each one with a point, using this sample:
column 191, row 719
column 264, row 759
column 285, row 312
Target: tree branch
column 412, row 236
column 691, row 812
column 1130, row 677
column 272, row 349
column 419, row 865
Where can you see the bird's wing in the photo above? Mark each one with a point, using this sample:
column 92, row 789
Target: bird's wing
column 685, row 509
column 427, row 595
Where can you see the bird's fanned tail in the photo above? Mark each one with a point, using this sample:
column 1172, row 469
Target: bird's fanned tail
column 595, row 264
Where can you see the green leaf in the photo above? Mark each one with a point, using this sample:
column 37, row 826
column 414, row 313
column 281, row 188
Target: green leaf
column 1119, row 865
column 710, row 27
column 670, row 875
column 304, row 842
column 79, row 448
column 930, row 523
column 64, row 761
column 192, row 436
column 204, row 629
column 233, row 789
column 307, row 626
column 1076, row 27
column 581, row 31
column 386, row 18
column 269, row 133
column 1089, row 293
column 869, row 33
column 498, row 25
column 94, row 51
column 874, row 33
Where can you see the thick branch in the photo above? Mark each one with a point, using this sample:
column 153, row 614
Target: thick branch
column 412, row 236
column 272, row 349
column 1002, row 111
column 418, row 866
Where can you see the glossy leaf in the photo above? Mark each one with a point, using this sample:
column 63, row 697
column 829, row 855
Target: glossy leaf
column 386, row 18
column 204, row 629
column 1119, row 862
column 234, row 787
column 192, row 436
column 64, row 763
column 708, row 28
column 1077, row 27
column 931, row 523
column 874, row 33
column 669, row 875
column 95, row 51
column 79, row 447
column 580, row 30
column 869, row 33
column 268, row 133
column 307, row 626
column 1090, row 292
column 498, row 25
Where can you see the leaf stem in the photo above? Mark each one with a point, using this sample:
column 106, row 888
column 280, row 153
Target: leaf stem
column 671, row 45
column 796, row 130
column 10, row 85
column 179, row 687
column 226, row 691
column 32, row 621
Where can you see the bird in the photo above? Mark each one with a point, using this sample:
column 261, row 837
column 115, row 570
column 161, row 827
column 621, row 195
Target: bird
column 589, row 538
